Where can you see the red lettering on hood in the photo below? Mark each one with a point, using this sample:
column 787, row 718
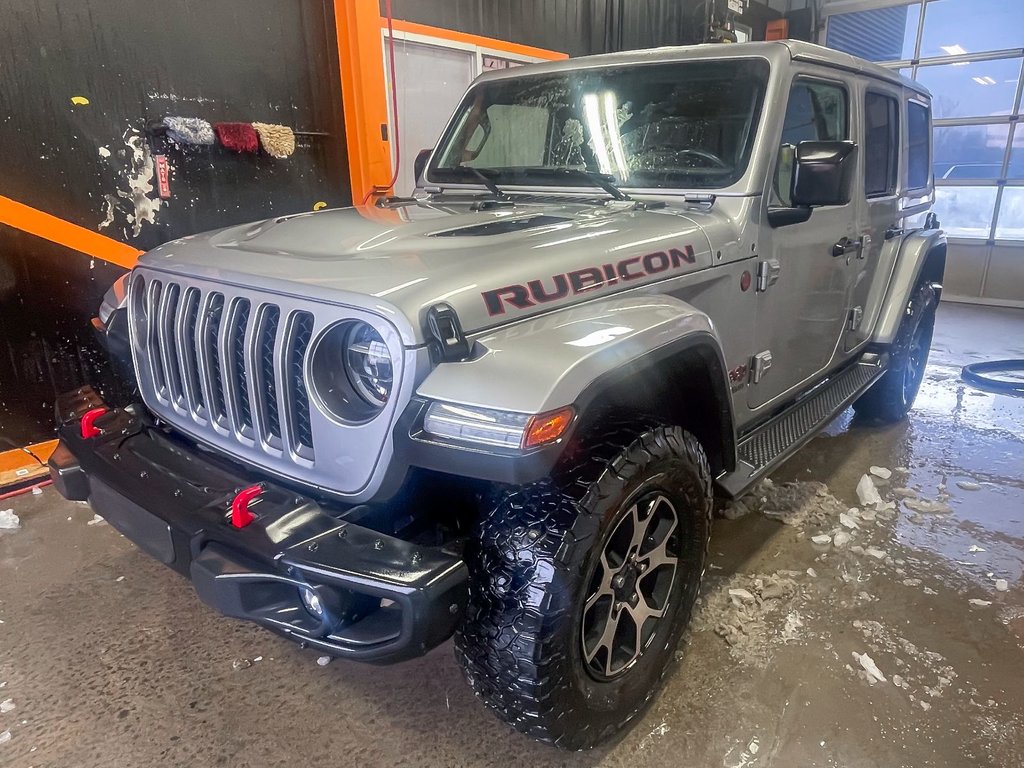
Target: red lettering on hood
column 586, row 279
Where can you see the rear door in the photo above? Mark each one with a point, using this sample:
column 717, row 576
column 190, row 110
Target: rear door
column 801, row 315
column 878, row 199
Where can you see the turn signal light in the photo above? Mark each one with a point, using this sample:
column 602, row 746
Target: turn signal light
column 89, row 428
column 240, row 514
column 546, row 427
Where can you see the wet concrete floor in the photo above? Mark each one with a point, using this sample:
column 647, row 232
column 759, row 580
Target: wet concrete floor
column 109, row 659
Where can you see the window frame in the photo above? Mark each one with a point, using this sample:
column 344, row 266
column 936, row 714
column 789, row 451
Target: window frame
column 843, row 86
column 895, row 142
column 929, row 166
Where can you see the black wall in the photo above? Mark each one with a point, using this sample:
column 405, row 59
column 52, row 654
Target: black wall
column 136, row 61
column 576, row 27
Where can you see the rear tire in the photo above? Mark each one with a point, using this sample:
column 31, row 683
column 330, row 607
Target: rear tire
column 580, row 588
column 892, row 396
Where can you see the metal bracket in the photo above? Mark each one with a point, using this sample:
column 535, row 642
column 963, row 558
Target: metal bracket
column 767, row 274
column 853, row 319
column 759, row 365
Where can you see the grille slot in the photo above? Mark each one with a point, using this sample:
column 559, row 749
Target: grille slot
column 209, row 350
column 238, row 375
column 188, row 351
column 296, row 396
column 265, row 379
column 165, row 331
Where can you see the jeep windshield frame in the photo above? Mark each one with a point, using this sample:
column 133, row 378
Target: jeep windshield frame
column 677, row 125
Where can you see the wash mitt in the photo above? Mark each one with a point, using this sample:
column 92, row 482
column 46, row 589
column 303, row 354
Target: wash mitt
column 238, row 137
column 188, row 130
column 277, row 140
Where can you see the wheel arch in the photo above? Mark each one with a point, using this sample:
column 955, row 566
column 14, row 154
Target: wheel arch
column 922, row 257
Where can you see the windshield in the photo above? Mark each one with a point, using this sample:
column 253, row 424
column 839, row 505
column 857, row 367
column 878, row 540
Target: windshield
column 682, row 125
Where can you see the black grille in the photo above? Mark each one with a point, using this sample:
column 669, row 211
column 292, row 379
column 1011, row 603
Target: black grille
column 211, row 344
column 190, row 350
column 239, row 374
column 267, row 382
column 298, row 397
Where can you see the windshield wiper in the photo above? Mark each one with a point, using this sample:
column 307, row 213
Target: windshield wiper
column 602, row 180
column 487, row 181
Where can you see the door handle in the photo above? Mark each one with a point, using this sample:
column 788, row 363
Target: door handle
column 846, row 245
column 849, row 245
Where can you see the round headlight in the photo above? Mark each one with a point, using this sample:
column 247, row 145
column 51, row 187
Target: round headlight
column 368, row 364
column 351, row 371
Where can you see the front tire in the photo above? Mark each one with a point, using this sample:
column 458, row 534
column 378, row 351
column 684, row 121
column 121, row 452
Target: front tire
column 581, row 588
column 891, row 397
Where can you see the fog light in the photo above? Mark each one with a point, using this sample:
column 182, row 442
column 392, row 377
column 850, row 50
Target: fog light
column 311, row 600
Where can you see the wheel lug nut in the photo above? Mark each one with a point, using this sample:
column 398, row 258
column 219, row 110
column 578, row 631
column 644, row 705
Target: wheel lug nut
column 618, row 581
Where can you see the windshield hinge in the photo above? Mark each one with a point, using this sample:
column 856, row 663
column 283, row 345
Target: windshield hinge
column 703, row 201
column 445, row 338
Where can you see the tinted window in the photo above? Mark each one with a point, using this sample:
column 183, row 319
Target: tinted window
column 815, row 112
column 881, row 132
column 917, row 157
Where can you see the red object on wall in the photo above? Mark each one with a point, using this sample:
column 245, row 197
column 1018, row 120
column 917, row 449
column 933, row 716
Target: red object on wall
column 238, row 137
column 777, row 30
column 163, row 176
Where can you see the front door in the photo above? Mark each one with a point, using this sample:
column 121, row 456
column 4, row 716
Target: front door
column 801, row 314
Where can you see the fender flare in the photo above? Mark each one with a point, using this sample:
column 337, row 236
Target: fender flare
column 915, row 252
column 569, row 357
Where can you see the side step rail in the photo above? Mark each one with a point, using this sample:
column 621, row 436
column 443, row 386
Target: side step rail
column 769, row 445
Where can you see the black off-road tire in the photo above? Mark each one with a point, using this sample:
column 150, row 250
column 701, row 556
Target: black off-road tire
column 891, row 397
column 534, row 561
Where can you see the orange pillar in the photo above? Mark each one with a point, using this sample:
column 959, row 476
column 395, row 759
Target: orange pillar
column 363, row 94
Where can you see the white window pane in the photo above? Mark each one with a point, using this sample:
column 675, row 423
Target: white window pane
column 1011, row 215
column 974, row 89
column 971, row 26
column 882, row 34
column 965, row 211
column 969, row 151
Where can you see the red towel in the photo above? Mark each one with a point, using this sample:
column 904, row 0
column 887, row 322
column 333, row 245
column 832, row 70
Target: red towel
column 238, row 137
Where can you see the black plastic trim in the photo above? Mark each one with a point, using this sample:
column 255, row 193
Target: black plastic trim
column 174, row 502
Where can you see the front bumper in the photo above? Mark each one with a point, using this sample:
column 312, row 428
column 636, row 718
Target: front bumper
column 383, row 599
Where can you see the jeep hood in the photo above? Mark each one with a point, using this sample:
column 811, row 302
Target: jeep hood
column 492, row 266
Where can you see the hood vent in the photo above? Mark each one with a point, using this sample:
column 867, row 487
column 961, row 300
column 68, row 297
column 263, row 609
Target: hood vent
column 503, row 226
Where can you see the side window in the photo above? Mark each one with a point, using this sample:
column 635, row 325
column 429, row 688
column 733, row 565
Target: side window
column 816, row 111
column 881, row 143
column 919, row 134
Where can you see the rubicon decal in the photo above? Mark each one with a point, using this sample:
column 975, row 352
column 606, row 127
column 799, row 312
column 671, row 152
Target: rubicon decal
column 586, row 279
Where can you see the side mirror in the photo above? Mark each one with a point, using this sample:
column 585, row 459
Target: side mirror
column 824, row 173
column 419, row 165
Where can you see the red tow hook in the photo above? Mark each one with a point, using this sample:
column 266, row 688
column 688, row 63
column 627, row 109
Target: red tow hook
column 89, row 428
column 240, row 514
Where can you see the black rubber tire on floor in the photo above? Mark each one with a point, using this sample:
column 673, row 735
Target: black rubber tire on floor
column 892, row 396
column 531, row 563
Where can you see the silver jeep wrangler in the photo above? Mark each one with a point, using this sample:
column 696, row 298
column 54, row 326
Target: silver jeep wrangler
column 502, row 408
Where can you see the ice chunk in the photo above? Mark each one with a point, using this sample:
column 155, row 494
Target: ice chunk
column 868, row 665
column 841, row 539
column 323, row 661
column 966, row 485
column 5, row 737
column 9, row 520
column 6, row 706
column 867, row 492
column 847, row 520
column 742, row 595
column 812, row 573
column 821, row 538
column 735, row 510
column 881, row 472
column 979, row 603
column 1002, row 585
column 975, row 548
column 96, row 520
column 878, row 554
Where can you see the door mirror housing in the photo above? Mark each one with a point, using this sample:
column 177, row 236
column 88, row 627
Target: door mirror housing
column 419, row 165
column 823, row 173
